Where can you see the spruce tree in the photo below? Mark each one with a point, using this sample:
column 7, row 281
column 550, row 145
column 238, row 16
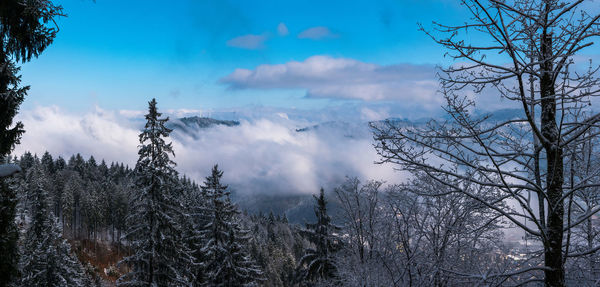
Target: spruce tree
column 48, row 163
column 318, row 263
column 227, row 260
column 154, row 232
column 24, row 33
column 195, row 204
column 46, row 258
column 60, row 164
column 70, row 202
column 27, row 161
column 237, row 267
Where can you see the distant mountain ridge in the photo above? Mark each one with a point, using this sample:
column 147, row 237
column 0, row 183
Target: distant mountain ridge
column 192, row 125
column 201, row 122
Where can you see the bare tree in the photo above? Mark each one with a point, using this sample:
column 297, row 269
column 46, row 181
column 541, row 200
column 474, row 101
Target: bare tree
column 529, row 53
column 406, row 237
column 363, row 218
column 581, row 241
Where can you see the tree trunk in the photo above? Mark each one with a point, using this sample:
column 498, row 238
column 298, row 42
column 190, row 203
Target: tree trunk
column 553, row 255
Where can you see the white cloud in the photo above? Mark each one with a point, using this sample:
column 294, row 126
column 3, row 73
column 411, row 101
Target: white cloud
column 317, row 33
column 369, row 114
column 250, row 42
column 100, row 133
column 343, row 78
column 267, row 155
column 259, row 155
column 131, row 113
column 282, row 29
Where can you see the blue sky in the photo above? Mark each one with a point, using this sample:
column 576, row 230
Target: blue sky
column 118, row 54
column 277, row 66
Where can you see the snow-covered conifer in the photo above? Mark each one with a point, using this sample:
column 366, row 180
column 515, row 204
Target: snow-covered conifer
column 318, row 263
column 154, row 231
column 227, row 260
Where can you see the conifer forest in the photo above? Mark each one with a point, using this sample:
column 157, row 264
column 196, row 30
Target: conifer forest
column 420, row 143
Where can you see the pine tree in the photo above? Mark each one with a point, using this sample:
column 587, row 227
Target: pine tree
column 195, row 204
column 155, row 237
column 284, row 219
column 60, row 164
column 270, row 227
column 225, row 249
column 27, row 161
column 48, row 162
column 237, row 267
column 77, row 163
column 53, row 187
column 46, row 259
column 70, row 202
column 318, row 262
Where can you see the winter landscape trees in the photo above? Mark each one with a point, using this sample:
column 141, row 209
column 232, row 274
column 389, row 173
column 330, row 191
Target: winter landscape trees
column 473, row 180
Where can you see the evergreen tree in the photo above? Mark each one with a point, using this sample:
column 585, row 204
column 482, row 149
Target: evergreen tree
column 90, row 208
column 237, row 267
column 227, row 260
column 26, row 161
column 48, row 162
column 46, row 259
column 271, row 226
column 91, row 169
column 24, row 33
column 121, row 210
column 195, row 204
column 77, row 163
column 155, row 235
column 70, row 202
column 60, row 164
column 284, row 219
column 53, row 187
column 318, row 263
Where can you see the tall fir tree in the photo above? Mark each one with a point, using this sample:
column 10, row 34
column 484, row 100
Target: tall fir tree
column 70, row 202
column 60, row 164
column 46, row 258
column 318, row 262
column 24, row 33
column 195, row 204
column 227, row 261
column 159, row 257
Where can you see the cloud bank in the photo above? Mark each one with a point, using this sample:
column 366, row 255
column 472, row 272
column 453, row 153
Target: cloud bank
column 260, row 155
column 343, row 78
